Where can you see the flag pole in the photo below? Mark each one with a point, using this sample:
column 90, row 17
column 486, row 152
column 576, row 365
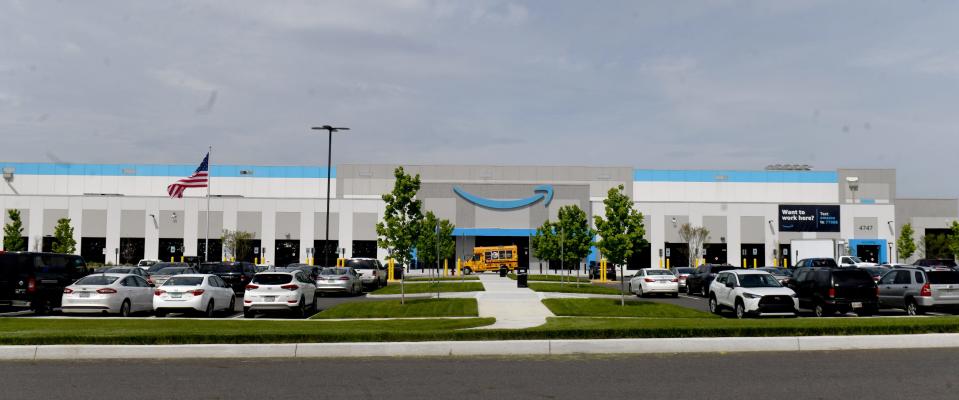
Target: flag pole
column 209, row 182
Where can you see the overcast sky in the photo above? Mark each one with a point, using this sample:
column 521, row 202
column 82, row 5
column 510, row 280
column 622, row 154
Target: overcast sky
column 670, row 84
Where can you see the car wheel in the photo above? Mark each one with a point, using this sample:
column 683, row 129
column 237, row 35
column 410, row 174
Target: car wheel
column 820, row 310
column 676, row 295
column 912, row 308
column 41, row 307
column 313, row 307
column 467, row 271
column 740, row 310
column 248, row 313
column 639, row 291
column 232, row 305
column 125, row 309
column 210, row 310
column 713, row 305
column 301, row 309
column 702, row 291
column 160, row 313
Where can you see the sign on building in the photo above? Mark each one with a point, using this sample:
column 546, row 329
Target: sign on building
column 808, row 218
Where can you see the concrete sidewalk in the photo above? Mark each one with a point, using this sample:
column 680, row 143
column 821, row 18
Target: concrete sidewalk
column 513, row 307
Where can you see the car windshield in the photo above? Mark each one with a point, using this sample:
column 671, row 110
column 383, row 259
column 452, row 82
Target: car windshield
column 360, row 264
column 943, row 277
column 334, row 271
column 172, row 271
column 119, row 270
column 184, row 281
column 851, row 277
column 824, row 262
column 758, row 281
column 777, row 272
column 272, row 279
column 97, row 280
column 224, row 268
column 657, row 272
column 685, row 270
column 144, row 263
column 855, row 259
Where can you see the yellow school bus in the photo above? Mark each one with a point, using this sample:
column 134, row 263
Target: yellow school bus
column 491, row 258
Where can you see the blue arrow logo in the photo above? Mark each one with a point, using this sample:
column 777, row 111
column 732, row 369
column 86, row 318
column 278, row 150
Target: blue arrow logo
column 542, row 192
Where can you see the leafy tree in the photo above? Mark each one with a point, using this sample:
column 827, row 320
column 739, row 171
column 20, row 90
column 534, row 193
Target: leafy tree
column 13, row 233
column 906, row 246
column 952, row 240
column 401, row 225
column 622, row 230
column 545, row 242
column 63, row 241
column 236, row 244
column 577, row 237
column 427, row 241
column 694, row 237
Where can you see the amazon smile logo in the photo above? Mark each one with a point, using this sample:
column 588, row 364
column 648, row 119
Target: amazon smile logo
column 542, row 192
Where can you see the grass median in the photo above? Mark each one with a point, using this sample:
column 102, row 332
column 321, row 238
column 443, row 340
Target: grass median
column 612, row 308
column 414, row 308
column 572, row 288
column 427, row 287
column 551, row 278
column 440, row 279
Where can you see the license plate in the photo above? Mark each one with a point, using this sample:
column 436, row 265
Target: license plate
column 176, row 295
column 269, row 298
column 856, row 304
column 84, row 295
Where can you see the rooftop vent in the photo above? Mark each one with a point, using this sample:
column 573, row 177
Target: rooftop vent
column 789, row 167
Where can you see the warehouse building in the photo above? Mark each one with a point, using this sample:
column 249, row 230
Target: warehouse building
column 122, row 212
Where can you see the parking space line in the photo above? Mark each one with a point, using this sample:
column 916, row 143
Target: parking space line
column 686, row 296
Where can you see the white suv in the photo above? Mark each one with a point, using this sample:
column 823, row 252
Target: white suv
column 273, row 291
column 751, row 292
column 372, row 272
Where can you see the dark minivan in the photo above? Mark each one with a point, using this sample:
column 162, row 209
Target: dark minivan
column 36, row 280
column 236, row 273
column 828, row 290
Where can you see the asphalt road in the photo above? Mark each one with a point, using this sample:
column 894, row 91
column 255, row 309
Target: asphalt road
column 921, row 374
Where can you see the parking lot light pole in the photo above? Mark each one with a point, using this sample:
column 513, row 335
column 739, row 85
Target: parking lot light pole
column 329, row 165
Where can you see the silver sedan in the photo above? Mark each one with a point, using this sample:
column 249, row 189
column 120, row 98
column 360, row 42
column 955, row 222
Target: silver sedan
column 339, row 280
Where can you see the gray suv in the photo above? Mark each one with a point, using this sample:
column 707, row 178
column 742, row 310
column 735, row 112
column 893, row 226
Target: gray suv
column 917, row 289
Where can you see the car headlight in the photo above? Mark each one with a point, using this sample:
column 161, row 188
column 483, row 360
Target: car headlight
column 751, row 296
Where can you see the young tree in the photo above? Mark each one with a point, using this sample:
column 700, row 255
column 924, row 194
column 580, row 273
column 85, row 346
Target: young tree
column 576, row 235
column 621, row 231
column 236, row 244
column 906, row 246
column 545, row 242
column 63, row 241
column 426, row 243
column 401, row 225
column 952, row 240
column 694, row 237
column 13, row 233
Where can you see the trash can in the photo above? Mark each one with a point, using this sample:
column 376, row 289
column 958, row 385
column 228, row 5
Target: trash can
column 522, row 279
column 503, row 271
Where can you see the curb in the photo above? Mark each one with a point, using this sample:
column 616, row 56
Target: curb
column 480, row 348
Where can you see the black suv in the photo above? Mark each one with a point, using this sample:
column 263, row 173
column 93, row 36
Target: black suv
column 235, row 273
column 36, row 280
column 698, row 282
column 816, row 263
column 828, row 290
column 930, row 262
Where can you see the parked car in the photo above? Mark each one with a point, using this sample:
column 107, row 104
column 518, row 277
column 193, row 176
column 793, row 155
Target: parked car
column 929, row 262
column 853, row 261
column 161, row 265
column 272, row 291
column 35, row 281
column 783, row 275
column 160, row 277
column 372, row 272
column 816, row 263
column 876, row 272
column 237, row 273
column 698, row 282
column 147, row 263
column 108, row 293
column 919, row 289
column 828, row 290
column 345, row 280
column 311, row 270
column 651, row 281
column 194, row 292
column 751, row 292
column 682, row 273
column 125, row 270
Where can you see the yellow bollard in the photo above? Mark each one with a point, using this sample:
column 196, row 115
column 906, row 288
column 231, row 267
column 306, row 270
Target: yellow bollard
column 784, row 263
column 459, row 267
column 744, row 263
column 775, row 262
column 667, row 263
column 181, row 258
column 755, row 261
column 390, row 274
column 256, row 260
column 171, row 258
column 446, row 268
column 660, row 262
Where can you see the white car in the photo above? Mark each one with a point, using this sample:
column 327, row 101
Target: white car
column 147, row 263
column 751, row 292
column 372, row 272
column 650, row 280
column 274, row 291
column 853, row 261
column 194, row 292
column 113, row 293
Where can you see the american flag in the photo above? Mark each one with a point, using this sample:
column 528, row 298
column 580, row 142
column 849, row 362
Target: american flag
column 199, row 179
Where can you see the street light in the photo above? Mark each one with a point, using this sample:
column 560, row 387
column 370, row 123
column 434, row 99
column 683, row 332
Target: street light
column 329, row 161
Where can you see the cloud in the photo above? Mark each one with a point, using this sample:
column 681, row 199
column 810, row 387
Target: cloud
column 179, row 79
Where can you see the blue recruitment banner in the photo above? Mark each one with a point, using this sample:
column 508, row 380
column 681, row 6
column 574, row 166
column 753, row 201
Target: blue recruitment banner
column 808, row 218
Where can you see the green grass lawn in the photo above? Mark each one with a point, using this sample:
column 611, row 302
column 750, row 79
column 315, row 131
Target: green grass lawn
column 20, row 331
column 551, row 278
column 426, row 287
column 441, row 279
column 414, row 308
column 612, row 308
column 572, row 288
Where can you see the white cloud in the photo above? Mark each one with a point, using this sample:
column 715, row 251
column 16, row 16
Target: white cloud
column 177, row 78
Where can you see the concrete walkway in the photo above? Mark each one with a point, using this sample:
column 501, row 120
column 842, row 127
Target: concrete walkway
column 513, row 307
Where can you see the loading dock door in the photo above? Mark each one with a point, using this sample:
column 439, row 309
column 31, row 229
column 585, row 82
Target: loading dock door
column 754, row 254
column 677, row 254
column 868, row 253
column 715, row 253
